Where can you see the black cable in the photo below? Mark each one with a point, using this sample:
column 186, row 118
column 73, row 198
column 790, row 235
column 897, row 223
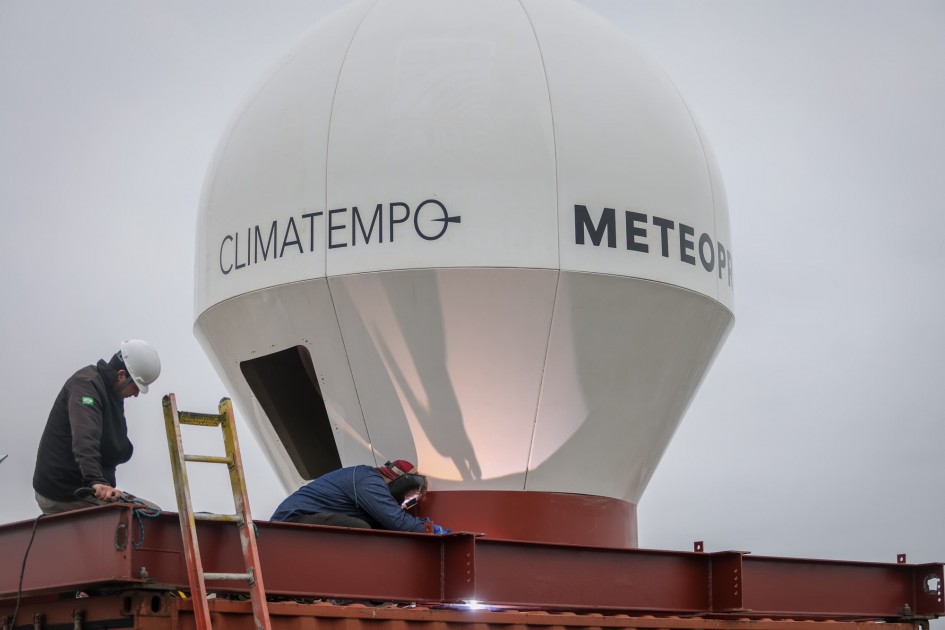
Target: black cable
column 142, row 508
column 19, row 588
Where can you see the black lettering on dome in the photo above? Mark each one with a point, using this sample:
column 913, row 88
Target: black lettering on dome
column 706, row 240
column 582, row 221
column 686, row 245
column 633, row 232
column 444, row 220
column 270, row 242
column 275, row 240
column 230, row 268
column 664, row 225
column 637, row 238
column 375, row 219
column 236, row 254
column 393, row 221
column 295, row 238
column 333, row 228
column 311, row 228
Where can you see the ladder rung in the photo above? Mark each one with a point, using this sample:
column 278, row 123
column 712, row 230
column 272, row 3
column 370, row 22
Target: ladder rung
column 200, row 419
column 226, row 518
column 227, row 576
column 208, row 459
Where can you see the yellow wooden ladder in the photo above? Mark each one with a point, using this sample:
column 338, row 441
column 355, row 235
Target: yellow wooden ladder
column 253, row 575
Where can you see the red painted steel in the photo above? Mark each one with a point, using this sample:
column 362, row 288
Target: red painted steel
column 583, row 578
column 553, row 517
column 779, row 585
column 85, row 547
column 365, row 565
column 153, row 610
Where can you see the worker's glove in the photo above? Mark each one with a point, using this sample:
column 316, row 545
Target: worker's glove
column 441, row 530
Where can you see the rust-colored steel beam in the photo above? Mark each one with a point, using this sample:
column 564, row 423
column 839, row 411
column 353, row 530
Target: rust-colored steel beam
column 586, row 578
column 85, row 547
column 726, row 583
column 833, row 589
column 151, row 610
column 517, row 574
column 344, row 564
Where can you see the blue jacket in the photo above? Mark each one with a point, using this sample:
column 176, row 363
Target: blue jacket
column 358, row 491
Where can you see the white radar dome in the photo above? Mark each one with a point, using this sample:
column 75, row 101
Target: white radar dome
column 486, row 236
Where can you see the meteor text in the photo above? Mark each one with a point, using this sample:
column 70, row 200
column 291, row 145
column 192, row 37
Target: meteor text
column 684, row 244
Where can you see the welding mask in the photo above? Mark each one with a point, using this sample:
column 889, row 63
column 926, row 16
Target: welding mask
column 408, row 489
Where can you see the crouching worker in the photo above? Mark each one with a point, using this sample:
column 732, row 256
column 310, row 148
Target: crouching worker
column 86, row 434
column 361, row 496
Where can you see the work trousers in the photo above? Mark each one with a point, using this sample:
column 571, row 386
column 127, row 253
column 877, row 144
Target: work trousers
column 51, row 506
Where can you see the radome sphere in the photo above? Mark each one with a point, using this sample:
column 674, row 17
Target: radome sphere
column 484, row 235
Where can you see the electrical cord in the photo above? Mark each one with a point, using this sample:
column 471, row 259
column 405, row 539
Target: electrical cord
column 142, row 508
column 19, row 588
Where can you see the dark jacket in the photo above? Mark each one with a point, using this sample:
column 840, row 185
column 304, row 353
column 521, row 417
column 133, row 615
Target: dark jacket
column 358, row 491
column 86, row 436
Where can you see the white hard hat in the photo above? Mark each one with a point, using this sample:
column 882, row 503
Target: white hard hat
column 142, row 362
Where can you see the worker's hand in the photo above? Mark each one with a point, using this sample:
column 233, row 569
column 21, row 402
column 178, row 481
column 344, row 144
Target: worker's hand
column 104, row 492
column 441, row 530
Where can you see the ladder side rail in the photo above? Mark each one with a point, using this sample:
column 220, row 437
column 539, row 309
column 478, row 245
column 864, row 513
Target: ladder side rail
column 188, row 526
column 246, row 527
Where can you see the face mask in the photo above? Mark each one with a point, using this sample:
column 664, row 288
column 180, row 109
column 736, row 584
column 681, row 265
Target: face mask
column 408, row 489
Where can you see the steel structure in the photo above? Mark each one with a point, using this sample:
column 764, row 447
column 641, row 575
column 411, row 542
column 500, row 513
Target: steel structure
column 153, row 611
column 120, row 551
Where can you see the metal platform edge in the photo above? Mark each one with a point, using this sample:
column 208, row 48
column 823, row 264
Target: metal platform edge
column 148, row 610
column 109, row 548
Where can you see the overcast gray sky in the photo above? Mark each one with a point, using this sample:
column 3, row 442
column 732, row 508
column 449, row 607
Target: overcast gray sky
column 819, row 431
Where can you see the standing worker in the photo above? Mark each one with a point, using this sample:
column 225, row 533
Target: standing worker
column 363, row 497
column 86, row 436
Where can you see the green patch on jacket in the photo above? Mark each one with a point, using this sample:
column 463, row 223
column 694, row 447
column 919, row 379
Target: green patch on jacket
column 88, row 400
